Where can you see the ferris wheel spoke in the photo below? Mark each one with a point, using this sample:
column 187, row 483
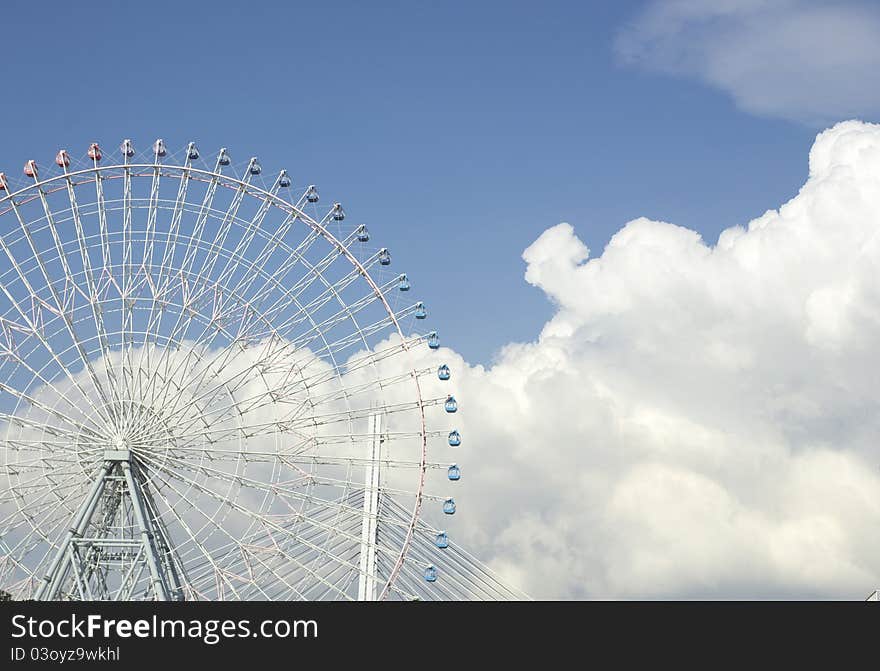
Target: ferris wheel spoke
column 213, row 251
column 162, row 288
column 46, row 385
column 313, row 273
column 152, row 210
column 93, row 296
column 293, row 257
column 19, row 445
column 252, row 228
column 167, row 377
column 369, row 388
column 247, row 557
column 467, row 564
column 331, row 418
column 266, row 551
column 291, row 422
column 286, row 389
column 339, row 505
column 274, row 489
column 304, row 314
column 182, row 375
column 50, row 449
column 309, row 479
column 242, row 333
column 358, row 363
column 258, row 270
column 232, row 263
column 202, row 216
column 229, row 383
column 126, row 303
column 49, row 410
column 222, row 359
column 171, row 371
column 315, row 400
column 303, row 383
column 44, row 525
column 294, row 451
column 25, row 423
column 242, row 510
column 345, row 314
column 189, row 255
column 241, row 481
column 337, row 545
column 159, row 368
column 46, row 513
column 193, row 541
column 184, row 318
column 65, row 306
column 60, row 481
column 299, row 458
column 146, row 265
column 32, row 329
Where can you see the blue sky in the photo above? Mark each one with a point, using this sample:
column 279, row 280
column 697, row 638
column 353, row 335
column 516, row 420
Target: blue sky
column 457, row 131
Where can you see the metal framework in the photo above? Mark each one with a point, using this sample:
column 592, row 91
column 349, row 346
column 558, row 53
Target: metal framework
column 109, row 563
column 212, row 389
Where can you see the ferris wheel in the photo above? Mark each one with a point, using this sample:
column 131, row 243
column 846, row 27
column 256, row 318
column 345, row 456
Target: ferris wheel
column 212, row 386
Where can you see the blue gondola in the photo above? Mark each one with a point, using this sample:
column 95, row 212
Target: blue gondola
column 451, row 405
column 363, row 234
column 223, row 159
column 403, row 283
column 421, row 311
column 430, row 574
column 159, row 148
column 338, row 213
column 454, row 438
column 384, row 257
column 449, row 506
column 255, row 168
column 284, row 179
column 441, row 540
column 193, row 153
column 443, row 372
column 127, row 149
column 434, row 343
column 312, row 194
column 454, row 472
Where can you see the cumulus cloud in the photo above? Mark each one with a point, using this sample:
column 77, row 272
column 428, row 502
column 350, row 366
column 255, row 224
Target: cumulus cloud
column 808, row 60
column 695, row 420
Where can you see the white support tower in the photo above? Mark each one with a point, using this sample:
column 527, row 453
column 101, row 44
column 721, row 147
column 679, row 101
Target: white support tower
column 370, row 523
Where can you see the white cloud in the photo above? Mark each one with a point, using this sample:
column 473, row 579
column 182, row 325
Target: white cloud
column 695, row 420
column 807, row 60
